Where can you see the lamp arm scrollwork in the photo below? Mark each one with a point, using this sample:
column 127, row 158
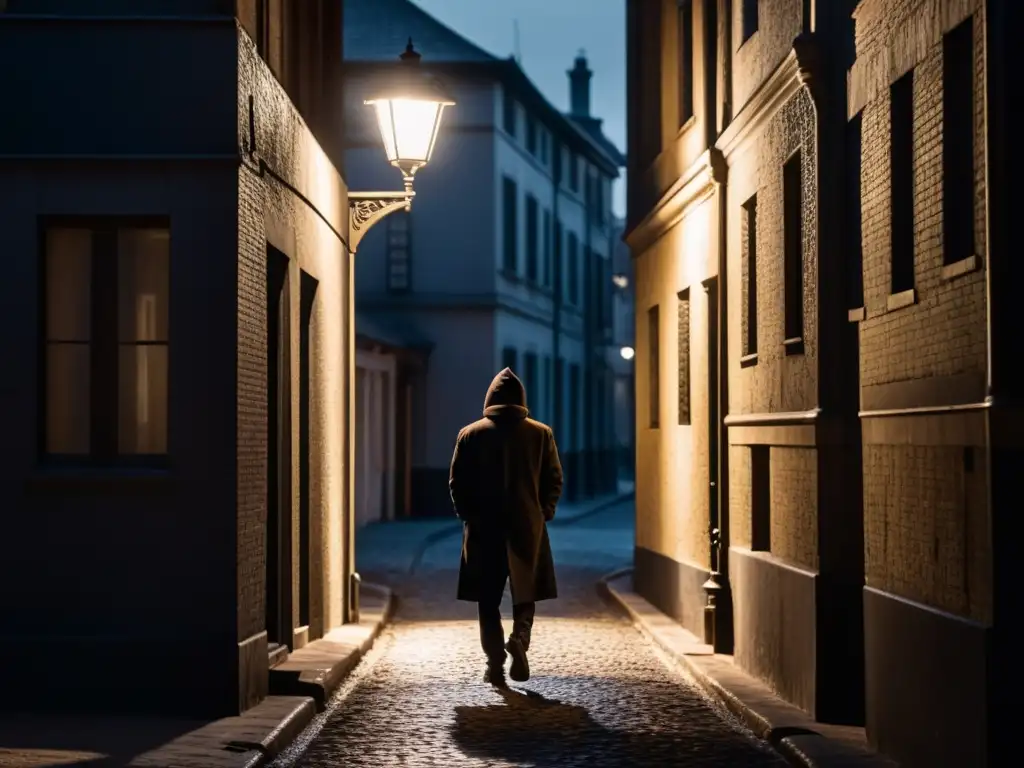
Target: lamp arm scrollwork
column 367, row 208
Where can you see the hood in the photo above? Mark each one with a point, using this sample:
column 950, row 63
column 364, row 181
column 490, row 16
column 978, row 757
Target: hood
column 506, row 396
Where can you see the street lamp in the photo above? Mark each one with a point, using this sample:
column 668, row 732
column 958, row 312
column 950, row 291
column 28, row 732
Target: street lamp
column 409, row 108
column 627, row 353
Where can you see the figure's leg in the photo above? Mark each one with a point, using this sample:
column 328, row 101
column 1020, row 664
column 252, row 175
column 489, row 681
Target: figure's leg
column 522, row 622
column 492, row 588
column 519, row 641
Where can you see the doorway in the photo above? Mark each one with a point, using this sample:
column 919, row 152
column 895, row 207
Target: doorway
column 278, row 527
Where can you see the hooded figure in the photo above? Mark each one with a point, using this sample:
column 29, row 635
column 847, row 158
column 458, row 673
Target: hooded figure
column 505, row 482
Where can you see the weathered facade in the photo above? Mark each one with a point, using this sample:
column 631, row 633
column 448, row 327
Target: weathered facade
column 820, row 455
column 176, row 420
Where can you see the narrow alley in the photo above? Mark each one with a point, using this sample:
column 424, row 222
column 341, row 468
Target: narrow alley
column 600, row 695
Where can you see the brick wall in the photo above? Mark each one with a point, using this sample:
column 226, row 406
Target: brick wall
column 925, row 511
column 754, row 60
column 794, row 505
column 778, row 382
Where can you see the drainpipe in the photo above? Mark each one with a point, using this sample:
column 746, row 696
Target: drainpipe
column 556, row 273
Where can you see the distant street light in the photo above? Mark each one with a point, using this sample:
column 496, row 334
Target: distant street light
column 627, row 353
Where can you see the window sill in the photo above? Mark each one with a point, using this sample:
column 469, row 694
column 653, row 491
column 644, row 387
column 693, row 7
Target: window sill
column 960, row 268
column 900, row 300
column 690, row 122
column 857, row 315
column 793, row 346
column 75, row 478
column 748, row 360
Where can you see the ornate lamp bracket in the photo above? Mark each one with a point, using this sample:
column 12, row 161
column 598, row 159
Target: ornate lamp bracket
column 367, row 208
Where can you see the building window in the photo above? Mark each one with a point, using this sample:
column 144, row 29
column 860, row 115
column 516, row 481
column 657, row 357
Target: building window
column 398, row 252
column 748, row 241
column 532, row 224
column 685, row 12
column 544, row 146
column 653, row 353
column 262, row 29
column 510, row 253
column 530, row 378
column 573, row 268
column 958, row 142
column 557, row 261
column 574, row 172
column 531, row 135
column 509, row 358
column 509, row 113
column 793, row 252
column 546, row 379
column 901, row 208
column 106, row 315
column 546, row 268
column 684, row 356
column 854, row 227
column 749, row 22
column 558, row 413
column 575, row 399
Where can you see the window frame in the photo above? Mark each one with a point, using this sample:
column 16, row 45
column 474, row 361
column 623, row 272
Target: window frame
column 104, row 419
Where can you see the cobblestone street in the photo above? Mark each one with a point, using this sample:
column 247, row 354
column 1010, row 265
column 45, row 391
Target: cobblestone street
column 600, row 695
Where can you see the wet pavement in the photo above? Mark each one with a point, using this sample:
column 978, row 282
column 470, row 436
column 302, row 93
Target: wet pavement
column 600, row 694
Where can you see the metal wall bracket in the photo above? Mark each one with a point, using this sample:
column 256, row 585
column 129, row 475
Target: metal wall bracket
column 367, row 208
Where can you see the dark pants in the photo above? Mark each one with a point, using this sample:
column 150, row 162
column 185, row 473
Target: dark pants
column 491, row 632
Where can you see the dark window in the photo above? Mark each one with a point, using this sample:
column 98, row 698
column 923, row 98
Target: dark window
column 760, row 498
column 262, row 28
column 531, row 239
column 559, row 276
column 530, row 378
column 793, row 250
column 509, row 113
column 573, row 268
column 749, row 270
column 509, row 358
column 399, row 252
column 902, row 182
column 599, row 201
column 558, row 413
column 574, row 172
column 575, row 398
column 749, row 18
column 546, row 379
column 684, row 357
column 653, row 354
column 510, row 254
column 531, row 135
column 958, row 142
column 105, row 316
column 685, row 61
column 544, row 146
column 854, row 233
column 546, row 269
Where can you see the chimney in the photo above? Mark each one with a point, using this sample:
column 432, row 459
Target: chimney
column 579, row 87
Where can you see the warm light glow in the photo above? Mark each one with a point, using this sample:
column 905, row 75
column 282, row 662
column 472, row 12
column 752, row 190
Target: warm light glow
column 409, row 129
column 620, row 281
column 627, row 353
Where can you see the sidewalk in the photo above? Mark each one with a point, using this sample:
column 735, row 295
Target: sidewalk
column 247, row 741
column 394, row 549
column 802, row 741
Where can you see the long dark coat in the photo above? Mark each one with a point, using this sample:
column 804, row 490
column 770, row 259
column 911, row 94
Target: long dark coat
column 505, row 482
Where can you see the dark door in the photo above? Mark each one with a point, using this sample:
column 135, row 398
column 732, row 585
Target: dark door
column 278, row 443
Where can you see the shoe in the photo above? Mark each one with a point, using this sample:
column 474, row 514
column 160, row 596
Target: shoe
column 495, row 676
column 520, row 669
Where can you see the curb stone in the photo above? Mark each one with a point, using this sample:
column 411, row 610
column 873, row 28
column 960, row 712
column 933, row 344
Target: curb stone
column 434, row 537
column 789, row 730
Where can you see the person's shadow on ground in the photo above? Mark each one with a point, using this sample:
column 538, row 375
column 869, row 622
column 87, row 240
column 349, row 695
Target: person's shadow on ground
column 529, row 729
